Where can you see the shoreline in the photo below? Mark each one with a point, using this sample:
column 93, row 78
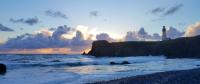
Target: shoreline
column 191, row 76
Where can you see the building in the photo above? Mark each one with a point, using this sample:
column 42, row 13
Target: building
column 164, row 34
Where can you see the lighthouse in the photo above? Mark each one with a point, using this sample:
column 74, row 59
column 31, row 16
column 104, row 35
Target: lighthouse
column 164, row 34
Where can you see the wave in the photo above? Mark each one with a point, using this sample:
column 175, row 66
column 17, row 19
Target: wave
column 15, row 62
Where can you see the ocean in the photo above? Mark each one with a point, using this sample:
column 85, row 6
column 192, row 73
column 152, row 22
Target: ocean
column 80, row 69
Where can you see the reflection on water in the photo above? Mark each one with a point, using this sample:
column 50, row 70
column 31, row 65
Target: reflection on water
column 96, row 69
column 82, row 69
column 85, row 60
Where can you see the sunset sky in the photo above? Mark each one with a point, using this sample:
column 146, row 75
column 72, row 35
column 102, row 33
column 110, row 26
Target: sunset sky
column 70, row 26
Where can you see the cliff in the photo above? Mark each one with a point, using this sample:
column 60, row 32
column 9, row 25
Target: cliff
column 185, row 47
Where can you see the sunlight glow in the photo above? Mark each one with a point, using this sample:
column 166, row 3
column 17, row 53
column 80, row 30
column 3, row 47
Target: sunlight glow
column 37, row 51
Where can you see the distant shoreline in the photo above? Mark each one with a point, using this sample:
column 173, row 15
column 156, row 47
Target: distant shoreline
column 34, row 54
column 191, row 76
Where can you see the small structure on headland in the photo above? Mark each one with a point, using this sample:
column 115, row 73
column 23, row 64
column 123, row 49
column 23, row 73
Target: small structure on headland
column 164, row 34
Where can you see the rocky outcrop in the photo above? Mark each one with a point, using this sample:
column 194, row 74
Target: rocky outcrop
column 186, row 47
column 2, row 69
column 115, row 63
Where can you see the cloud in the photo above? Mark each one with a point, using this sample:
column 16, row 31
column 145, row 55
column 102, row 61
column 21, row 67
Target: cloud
column 157, row 10
column 78, row 42
column 156, row 36
column 131, row 36
column 56, row 14
column 28, row 21
column 193, row 30
column 60, row 31
column 87, row 33
column 173, row 9
column 94, row 13
column 5, row 29
column 50, row 39
column 141, row 35
column 164, row 11
column 104, row 36
column 174, row 33
column 73, row 39
column 142, row 32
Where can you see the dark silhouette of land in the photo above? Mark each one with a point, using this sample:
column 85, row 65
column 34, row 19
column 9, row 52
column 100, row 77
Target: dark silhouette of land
column 184, row 47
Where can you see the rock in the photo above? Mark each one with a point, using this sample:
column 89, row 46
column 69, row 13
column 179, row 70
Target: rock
column 112, row 63
column 55, row 61
column 2, row 69
column 84, row 53
column 125, row 62
column 101, row 48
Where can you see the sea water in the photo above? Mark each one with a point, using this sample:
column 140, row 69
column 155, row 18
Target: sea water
column 79, row 69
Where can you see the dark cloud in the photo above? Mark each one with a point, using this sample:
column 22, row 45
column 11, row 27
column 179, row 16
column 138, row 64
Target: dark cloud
column 46, row 40
column 5, row 29
column 60, row 31
column 173, row 9
column 52, row 29
column 56, row 14
column 164, row 11
column 104, row 36
column 29, row 21
column 94, row 13
column 158, row 10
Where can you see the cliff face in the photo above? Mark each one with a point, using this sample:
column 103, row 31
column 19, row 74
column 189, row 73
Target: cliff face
column 181, row 47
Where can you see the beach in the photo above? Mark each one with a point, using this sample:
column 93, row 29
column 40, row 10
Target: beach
column 191, row 76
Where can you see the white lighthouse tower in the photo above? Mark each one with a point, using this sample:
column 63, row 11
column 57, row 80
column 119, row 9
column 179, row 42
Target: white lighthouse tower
column 164, row 34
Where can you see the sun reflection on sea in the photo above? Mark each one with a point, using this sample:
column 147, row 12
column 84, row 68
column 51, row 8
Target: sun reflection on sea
column 96, row 69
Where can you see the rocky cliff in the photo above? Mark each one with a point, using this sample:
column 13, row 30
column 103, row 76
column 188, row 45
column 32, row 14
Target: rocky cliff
column 187, row 47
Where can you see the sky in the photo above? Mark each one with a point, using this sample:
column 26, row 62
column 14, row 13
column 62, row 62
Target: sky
column 27, row 26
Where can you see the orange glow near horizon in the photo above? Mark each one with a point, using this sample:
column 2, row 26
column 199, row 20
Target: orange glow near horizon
column 86, row 50
column 37, row 51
